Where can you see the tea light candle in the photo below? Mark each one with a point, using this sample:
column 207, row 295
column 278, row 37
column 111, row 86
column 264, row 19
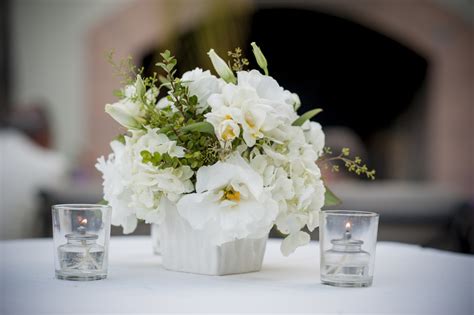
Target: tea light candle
column 346, row 257
column 343, row 261
column 83, row 256
column 81, row 252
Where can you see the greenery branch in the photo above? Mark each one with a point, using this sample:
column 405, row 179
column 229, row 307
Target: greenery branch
column 354, row 165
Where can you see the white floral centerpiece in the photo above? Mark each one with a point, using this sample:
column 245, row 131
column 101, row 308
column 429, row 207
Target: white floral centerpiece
column 227, row 156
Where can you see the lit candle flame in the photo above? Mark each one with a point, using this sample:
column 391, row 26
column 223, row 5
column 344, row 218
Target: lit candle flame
column 348, row 226
column 83, row 221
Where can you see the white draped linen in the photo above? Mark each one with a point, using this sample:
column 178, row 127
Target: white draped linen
column 408, row 279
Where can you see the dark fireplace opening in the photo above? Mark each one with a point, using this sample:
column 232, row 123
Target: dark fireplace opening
column 367, row 83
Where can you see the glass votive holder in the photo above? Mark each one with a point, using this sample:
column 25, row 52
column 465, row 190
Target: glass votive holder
column 81, row 234
column 347, row 241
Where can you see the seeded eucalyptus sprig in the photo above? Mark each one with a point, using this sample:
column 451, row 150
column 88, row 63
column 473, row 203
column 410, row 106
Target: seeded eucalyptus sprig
column 238, row 60
column 354, row 165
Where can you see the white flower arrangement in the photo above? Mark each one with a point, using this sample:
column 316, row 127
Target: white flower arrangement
column 231, row 152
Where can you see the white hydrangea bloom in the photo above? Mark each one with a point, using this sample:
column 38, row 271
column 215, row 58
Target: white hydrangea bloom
column 202, row 84
column 292, row 176
column 282, row 102
column 135, row 189
column 314, row 135
column 230, row 202
column 116, row 172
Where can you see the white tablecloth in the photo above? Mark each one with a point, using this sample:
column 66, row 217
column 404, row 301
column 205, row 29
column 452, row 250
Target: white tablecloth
column 408, row 279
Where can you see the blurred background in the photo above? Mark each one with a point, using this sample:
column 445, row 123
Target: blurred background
column 395, row 79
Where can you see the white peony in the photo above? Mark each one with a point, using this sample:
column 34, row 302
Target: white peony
column 230, row 202
column 202, row 84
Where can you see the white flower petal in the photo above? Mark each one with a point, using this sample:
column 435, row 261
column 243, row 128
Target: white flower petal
column 293, row 241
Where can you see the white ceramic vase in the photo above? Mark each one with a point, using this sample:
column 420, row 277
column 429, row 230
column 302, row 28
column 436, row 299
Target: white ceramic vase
column 155, row 238
column 187, row 250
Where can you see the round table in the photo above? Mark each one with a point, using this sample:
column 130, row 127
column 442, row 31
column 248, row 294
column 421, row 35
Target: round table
column 408, row 279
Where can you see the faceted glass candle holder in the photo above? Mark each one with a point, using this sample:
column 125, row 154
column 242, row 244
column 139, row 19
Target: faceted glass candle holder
column 81, row 236
column 347, row 242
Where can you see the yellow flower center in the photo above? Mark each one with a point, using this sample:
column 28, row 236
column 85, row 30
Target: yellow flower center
column 249, row 121
column 231, row 194
column 228, row 133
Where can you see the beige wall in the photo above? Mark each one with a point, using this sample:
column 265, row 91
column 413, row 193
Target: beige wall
column 442, row 31
column 58, row 48
column 48, row 50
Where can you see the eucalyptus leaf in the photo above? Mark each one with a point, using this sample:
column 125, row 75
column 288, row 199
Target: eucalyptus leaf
column 306, row 116
column 103, row 202
column 202, row 126
column 330, row 199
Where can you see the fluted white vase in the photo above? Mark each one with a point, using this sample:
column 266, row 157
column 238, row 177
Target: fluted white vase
column 187, row 250
column 155, row 238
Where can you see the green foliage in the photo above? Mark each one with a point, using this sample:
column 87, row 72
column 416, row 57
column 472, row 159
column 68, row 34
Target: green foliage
column 124, row 69
column 103, row 202
column 306, row 116
column 238, row 61
column 181, row 122
column 202, row 126
column 120, row 138
column 354, row 165
column 160, row 160
column 330, row 199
